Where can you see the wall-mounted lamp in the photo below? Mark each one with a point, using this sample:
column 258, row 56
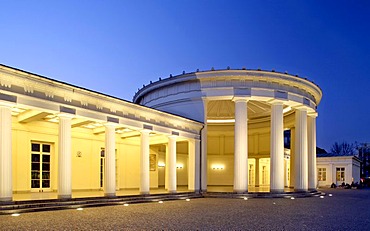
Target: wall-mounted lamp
column 161, row 164
column 217, row 167
column 179, row 166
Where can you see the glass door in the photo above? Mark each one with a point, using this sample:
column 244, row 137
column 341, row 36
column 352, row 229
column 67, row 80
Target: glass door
column 340, row 175
column 40, row 167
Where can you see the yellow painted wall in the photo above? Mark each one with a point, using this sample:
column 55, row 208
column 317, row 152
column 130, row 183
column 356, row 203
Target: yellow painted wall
column 86, row 148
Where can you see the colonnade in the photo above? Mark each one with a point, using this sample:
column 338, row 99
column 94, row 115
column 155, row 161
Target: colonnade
column 303, row 148
column 65, row 159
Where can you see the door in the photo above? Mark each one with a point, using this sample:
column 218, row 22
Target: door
column 40, row 167
column 340, row 176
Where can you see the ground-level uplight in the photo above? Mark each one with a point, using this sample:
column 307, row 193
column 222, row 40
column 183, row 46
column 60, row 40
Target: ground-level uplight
column 330, row 195
column 322, row 197
column 245, row 198
column 15, row 215
column 160, row 202
column 79, row 209
column 292, row 198
column 125, row 204
column 187, row 199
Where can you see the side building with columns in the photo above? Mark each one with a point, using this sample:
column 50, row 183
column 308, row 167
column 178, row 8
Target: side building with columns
column 245, row 113
column 62, row 141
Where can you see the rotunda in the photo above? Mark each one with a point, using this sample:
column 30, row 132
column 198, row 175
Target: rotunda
column 259, row 129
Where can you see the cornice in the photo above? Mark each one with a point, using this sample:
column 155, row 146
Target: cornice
column 210, row 78
column 25, row 84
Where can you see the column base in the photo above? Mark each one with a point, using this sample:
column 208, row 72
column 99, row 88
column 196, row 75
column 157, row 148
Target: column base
column 144, row 193
column 276, row 190
column 65, row 196
column 109, row 194
column 6, row 199
column 240, row 191
column 172, row 191
column 195, row 190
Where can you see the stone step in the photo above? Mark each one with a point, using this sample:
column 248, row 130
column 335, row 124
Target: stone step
column 46, row 205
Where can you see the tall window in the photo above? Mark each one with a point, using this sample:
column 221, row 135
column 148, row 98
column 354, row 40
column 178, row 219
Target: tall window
column 251, row 175
column 264, row 175
column 40, row 165
column 340, row 174
column 321, row 174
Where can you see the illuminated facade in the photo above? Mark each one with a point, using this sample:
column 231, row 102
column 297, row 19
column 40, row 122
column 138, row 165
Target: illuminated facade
column 55, row 137
column 245, row 113
column 200, row 131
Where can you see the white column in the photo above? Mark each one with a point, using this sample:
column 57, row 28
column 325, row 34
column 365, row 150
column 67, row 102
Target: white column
column 6, row 188
column 257, row 174
column 65, row 157
column 166, row 171
column 301, row 167
column 312, row 171
column 193, row 165
column 172, row 178
column 110, row 161
column 292, row 159
column 203, row 159
column 241, row 146
column 144, row 162
column 277, row 149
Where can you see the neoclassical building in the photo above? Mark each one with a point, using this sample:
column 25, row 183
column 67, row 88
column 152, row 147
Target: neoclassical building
column 245, row 114
column 208, row 130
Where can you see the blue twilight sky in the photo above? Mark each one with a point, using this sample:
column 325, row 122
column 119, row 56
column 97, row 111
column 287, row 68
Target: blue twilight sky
column 114, row 47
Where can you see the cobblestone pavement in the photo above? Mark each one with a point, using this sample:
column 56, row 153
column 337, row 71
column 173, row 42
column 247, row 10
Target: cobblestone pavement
column 345, row 210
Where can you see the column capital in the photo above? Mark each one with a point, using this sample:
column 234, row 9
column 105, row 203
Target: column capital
column 301, row 109
column 5, row 104
column 65, row 115
column 110, row 124
column 276, row 102
column 241, row 99
column 145, row 131
column 313, row 115
column 172, row 137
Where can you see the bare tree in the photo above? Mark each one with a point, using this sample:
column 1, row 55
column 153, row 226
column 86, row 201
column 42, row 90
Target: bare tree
column 343, row 148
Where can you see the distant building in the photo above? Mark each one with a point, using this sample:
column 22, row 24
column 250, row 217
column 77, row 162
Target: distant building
column 364, row 156
column 337, row 168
